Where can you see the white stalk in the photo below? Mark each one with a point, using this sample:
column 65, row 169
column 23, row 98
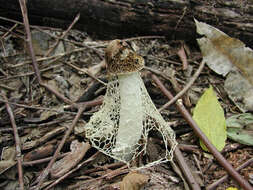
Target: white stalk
column 131, row 115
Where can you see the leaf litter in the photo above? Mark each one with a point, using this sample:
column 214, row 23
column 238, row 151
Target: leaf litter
column 42, row 123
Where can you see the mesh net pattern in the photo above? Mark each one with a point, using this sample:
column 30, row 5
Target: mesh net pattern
column 103, row 127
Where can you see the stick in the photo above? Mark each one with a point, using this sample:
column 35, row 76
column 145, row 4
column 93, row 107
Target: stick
column 18, row 145
column 29, row 38
column 181, row 93
column 43, row 160
column 186, row 170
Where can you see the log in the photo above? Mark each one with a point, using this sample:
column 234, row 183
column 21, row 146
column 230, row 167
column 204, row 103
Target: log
column 110, row 19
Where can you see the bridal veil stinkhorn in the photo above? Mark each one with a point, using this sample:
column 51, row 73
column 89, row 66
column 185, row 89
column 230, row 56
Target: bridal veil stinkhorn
column 120, row 128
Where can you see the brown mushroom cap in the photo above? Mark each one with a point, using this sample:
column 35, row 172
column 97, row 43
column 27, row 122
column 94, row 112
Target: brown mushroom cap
column 120, row 59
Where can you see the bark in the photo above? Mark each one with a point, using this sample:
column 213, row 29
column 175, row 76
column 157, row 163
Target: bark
column 122, row 18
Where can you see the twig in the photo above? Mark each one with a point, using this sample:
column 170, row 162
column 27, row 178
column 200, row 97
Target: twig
column 198, row 164
column 228, row 167
column 4, row 52
column 189, row 148
column 29, row 38
column 57, row 94
column 117, row 172
column 13, row 33
column 18, row 145
column 38, row 125
column 187, row 86
column 105, row 167
column 221, row 180
column 183, row 57
column 157, row 72
column 143, row 37
column 232, row 147
column 37, row 108
column 12, row 28
column 43, row 160
column 63, row 35
column 164, row 60
column 86, row 71
column 99, row 53
column 28, row 74
column 11, row 20
column 7, row 87
column 73, row 170
column 179, row 20
column 186, row 170
column 53, row 57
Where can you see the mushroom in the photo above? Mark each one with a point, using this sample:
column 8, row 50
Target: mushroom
column 120, row 128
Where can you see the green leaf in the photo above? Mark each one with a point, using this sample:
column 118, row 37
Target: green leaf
column 240, row 128
column 240, row 120
column 209, row 116
column 242, row 136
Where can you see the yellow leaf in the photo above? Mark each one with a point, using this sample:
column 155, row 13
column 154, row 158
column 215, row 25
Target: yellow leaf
column 209, row 116
column 133, row 181
column 231, row 188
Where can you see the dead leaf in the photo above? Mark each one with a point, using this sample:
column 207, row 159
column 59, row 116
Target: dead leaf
column 95, row 69
column 49, row 113
column 182, row 55
column 7, row 159
column 239, row 91
column 134, row 181
column 78, row 150
column 39, row 153
column 40, row 42
column 223, row 55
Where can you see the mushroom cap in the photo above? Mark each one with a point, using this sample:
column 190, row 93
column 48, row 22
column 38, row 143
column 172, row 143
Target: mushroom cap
column 120, row 59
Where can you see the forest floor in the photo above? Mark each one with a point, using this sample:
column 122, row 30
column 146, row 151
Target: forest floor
column 74, row 66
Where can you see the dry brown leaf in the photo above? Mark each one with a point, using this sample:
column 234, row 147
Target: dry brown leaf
column 7, row 159
column 133, row 181
column 78, row 150
column 221, row 51
column 95, row 69
column 182, row 55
